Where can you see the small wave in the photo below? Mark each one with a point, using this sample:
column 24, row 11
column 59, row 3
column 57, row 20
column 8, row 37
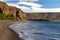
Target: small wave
column 37, row 30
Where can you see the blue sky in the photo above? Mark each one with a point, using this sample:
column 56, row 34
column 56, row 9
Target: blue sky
column 50, row 3
column 35, row 5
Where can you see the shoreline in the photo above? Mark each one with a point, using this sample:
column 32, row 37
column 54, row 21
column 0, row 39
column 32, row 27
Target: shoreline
column 6, row 33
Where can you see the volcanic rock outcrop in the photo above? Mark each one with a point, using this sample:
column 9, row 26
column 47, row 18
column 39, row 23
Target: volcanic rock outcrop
column 10, row 10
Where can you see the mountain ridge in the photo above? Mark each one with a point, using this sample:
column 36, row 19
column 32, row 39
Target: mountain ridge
column 54, row 17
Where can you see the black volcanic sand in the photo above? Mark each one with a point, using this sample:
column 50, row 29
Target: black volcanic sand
column 6, row 33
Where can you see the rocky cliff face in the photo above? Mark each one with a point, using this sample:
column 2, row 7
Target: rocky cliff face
column 9, row 10
column 45, row 16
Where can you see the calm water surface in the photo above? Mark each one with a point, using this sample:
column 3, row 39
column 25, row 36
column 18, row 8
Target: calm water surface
column 38, row 30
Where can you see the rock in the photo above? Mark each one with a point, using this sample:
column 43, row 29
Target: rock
column 10, row 10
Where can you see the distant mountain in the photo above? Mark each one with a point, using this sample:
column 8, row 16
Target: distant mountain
column 44, row 16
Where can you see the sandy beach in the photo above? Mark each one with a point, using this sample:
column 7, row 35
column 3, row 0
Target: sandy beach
column 5, row 32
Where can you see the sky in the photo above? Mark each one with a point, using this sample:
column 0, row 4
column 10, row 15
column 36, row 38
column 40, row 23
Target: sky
column 35, row 5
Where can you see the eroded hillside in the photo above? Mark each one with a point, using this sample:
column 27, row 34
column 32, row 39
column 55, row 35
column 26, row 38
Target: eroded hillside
column 9, row 10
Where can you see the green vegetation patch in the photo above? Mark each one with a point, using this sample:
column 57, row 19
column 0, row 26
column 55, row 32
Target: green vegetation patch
column 6, row 17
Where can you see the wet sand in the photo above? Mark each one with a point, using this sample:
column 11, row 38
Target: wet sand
column 5, row 32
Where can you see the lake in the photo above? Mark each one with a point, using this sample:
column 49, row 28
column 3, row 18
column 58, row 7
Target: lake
column 37, row 30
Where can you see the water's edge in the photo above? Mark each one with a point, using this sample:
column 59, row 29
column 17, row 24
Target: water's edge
column 37, row 30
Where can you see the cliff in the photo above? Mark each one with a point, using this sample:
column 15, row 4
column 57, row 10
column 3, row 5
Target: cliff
column 44, row 16
column 9, row 10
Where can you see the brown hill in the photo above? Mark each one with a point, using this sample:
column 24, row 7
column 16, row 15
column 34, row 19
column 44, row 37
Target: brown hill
column 44, row 16
column 9, row 10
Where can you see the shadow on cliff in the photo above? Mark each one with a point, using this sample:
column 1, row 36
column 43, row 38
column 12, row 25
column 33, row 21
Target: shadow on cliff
column 37, row 20
column 1, row 11
column 17, row 15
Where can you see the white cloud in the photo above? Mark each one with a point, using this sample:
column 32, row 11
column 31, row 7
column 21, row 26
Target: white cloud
column 28, row 0
column 5, row 0
column 21, row 0
column 34, row 9
column 37, row 7
column 8, row 0
column 30, row 4
column 2, row 0
column 25, row 8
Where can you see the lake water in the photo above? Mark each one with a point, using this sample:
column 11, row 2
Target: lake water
column 38, row 30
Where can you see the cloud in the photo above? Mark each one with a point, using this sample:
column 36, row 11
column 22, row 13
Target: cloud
column 28, row 0
column 37, row 7
column 30, row 4
column 2, row 0
column 21, row 0
column 8, row 0
column 34, row 9
column 25, row 8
